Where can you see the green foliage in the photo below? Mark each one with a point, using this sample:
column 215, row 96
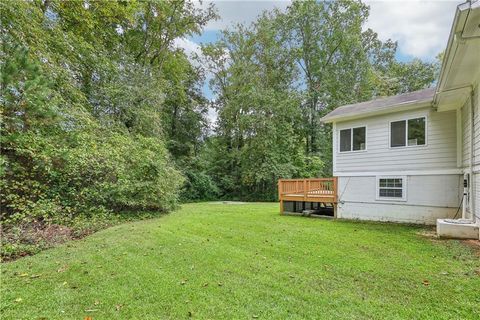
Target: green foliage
column 87, row 89
column 199, row 186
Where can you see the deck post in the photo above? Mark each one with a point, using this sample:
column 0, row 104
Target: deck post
column 279, row 185
column 335, row 186
column 304, row 190
column 335, row 191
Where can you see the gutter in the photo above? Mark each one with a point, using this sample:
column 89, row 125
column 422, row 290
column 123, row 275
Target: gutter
column 471, row 203
column 410, row 105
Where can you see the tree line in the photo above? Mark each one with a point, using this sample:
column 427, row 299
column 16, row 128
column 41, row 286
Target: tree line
column 101, row 112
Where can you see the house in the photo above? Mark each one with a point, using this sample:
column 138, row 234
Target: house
column 415, row 157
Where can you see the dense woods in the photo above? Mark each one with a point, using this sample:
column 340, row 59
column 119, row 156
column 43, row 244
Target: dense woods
column 102, row 113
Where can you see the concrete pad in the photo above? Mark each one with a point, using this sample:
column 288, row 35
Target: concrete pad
column 457, row 229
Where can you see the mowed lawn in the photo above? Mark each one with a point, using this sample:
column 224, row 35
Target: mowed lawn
column 244, row 261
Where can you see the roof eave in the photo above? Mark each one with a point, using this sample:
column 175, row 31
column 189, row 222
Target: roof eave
column 388, row 109
column 457, row 25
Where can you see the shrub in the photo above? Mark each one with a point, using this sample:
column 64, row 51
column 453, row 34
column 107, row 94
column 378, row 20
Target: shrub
column 199, row 186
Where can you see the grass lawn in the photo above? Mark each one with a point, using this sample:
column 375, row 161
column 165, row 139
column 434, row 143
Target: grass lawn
column 225, row 261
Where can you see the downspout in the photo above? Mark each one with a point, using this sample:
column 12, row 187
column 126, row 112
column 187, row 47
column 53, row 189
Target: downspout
column 468, row 191
column 472, row 155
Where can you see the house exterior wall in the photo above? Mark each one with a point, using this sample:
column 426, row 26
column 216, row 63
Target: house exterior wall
column 467, row 148
column 466, row 134
column 471, row 150
column 428, row 197
column 438, row 153
column 433, row 179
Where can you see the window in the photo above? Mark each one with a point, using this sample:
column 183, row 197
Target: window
column 346, row 140
column 391, row 188
column 409, row 132
column 353, row 139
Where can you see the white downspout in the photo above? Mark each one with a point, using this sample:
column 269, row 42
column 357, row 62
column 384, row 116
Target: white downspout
column 468, row 192
column 472, row 154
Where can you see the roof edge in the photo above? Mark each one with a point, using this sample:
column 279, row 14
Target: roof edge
column 411, row 105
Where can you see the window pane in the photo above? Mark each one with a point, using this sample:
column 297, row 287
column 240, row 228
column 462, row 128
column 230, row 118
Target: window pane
column 346, row 140
column 397, row 183
column 390, row 193
column 390, row 188
column 397, row 133
column 359, row 142
column 416, row 132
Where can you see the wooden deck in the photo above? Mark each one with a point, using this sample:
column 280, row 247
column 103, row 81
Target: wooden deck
column 321, row 190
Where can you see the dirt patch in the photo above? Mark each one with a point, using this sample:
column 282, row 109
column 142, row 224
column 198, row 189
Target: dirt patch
column 431, row 234
column 29, row 238
column 37, row 232
column 474, row 244
column 229, row 202
column 428, row 233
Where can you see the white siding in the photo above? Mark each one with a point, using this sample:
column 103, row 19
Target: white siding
column 439, row 153
column 466, row 120
column 427, row 199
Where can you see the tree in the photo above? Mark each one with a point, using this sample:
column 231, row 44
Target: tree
column 258, row 134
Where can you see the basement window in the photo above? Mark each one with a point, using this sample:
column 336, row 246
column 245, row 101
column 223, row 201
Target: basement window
column 408, row 133
column 353, row 139
column 391, row 188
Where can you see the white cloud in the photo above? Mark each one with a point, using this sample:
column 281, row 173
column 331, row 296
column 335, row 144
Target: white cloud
column 420, row 27
column 188, row 46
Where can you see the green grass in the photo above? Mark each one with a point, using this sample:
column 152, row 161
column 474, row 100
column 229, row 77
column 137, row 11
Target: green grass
column 217, row 261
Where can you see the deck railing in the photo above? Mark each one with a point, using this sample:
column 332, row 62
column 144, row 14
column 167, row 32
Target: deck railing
column 309, row 190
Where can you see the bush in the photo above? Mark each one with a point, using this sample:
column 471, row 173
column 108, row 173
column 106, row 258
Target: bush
column 199, row 186
column 46, row 179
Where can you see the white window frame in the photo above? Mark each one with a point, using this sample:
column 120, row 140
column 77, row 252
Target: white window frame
column 404, row 188
column 351, row 139
column 406, row 133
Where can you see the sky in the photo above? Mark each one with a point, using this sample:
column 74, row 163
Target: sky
column 420, row 27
